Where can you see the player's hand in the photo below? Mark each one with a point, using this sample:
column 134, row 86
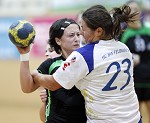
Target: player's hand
column 43, row 95
column 24, row 50
column 136, row 59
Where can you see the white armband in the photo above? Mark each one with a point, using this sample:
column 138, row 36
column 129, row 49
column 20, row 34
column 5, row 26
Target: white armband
column 24, row 57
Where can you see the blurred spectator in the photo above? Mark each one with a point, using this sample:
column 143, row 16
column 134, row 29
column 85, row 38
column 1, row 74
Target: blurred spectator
column 50, row 52
column 137, row 38
column 146, row 19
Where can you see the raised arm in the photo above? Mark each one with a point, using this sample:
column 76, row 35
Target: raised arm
column 26, row 80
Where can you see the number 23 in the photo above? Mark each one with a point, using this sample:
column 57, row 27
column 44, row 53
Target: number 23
column 109, row 86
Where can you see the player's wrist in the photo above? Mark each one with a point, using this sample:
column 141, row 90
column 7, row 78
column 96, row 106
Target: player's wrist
column 25, row 57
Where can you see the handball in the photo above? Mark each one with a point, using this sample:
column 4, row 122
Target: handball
column 21, row 33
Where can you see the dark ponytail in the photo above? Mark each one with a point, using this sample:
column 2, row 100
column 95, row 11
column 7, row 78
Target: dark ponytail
column 119, row 15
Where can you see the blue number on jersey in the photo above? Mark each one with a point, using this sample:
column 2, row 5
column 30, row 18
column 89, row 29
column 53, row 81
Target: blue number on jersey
column 109, row 86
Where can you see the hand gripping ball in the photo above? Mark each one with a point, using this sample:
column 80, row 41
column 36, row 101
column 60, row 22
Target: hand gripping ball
column 21, row 33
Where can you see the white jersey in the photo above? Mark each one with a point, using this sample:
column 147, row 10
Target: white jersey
column 103, row 71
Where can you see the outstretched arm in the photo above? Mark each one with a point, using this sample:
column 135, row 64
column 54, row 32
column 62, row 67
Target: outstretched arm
column 46, row 81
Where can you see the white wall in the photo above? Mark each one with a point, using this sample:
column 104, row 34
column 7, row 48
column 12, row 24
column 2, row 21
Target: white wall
column 23, row 7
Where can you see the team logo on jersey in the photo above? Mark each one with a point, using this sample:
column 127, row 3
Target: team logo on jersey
column 73, row 59
column 66, row 64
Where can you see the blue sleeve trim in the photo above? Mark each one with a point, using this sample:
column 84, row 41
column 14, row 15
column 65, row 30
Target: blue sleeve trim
column 87, row 53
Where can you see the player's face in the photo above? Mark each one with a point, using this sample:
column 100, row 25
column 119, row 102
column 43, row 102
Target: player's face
column 88, row 34
column 70, row 40
column 135, row 8
column 50, row 53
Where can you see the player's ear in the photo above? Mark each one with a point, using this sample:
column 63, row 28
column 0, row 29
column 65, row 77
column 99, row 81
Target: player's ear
column 99, row 32
column 58, row 41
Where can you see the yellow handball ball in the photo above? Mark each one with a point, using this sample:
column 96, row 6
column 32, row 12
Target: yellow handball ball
column 21, row 33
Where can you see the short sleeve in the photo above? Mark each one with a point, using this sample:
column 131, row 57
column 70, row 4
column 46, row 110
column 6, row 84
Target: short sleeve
column 71, row 71
column 44, row 67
